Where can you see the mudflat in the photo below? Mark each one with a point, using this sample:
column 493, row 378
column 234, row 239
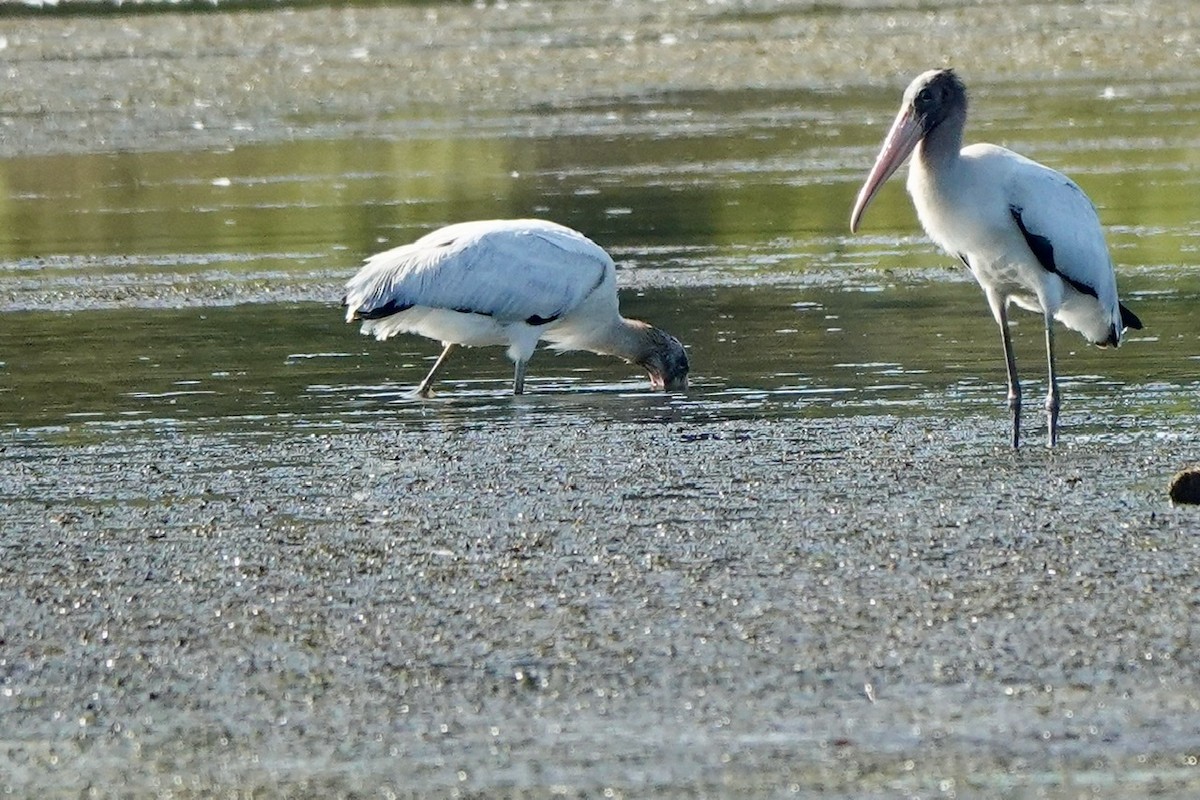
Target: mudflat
column 875, row 607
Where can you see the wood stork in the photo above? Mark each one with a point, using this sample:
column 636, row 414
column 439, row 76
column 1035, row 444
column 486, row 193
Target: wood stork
column 1029, row 235
column 508, row 282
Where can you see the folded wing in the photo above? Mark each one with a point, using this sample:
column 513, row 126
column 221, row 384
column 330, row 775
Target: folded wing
column 529, row 270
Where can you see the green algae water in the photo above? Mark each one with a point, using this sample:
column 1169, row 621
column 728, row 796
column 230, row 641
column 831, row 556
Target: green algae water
column 201, row 287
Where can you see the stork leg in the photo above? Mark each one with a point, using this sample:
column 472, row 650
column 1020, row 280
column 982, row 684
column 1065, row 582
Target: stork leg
column 1014, row 386
column 519, row 377
column 424, row 389
column 1052, row 397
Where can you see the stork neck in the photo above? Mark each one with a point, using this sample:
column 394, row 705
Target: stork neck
column 938, row 150
column 625, row 338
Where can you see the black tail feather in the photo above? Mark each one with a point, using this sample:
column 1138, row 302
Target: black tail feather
column 385, row 310
column 1129, row 319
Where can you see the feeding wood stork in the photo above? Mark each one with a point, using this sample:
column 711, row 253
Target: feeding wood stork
column 1029, row 235
column 508, row 282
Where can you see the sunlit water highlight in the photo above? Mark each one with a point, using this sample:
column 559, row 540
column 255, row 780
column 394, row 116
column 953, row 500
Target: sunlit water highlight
column 147, row 292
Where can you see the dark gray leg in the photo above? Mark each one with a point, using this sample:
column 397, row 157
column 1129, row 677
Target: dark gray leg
column 1014, row 386
column 1053, row 402
column 519, row 378
column 423, row 389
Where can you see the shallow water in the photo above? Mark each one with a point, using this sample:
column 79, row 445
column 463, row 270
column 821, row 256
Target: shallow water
column 898, row 347
column 159, row 289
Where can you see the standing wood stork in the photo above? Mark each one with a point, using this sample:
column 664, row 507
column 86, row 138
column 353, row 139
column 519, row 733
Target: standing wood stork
column 1028, row 234
column 508, row 282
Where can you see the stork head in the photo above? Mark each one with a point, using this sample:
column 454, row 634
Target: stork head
column 664, row 360
column 929, row 101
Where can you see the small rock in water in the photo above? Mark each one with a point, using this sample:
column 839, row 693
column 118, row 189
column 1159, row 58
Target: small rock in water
column 1185, row 486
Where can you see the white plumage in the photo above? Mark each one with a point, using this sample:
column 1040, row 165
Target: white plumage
column 1029, row 234
column 510, row 283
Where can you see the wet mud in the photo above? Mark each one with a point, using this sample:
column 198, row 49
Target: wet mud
column 838, row 608
column 111, row 82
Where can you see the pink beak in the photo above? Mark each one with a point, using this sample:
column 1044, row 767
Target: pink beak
column 901, row 140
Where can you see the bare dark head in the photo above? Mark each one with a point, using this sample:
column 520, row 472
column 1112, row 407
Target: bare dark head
column 934, row 96
column 665, row 360
column 934, row 109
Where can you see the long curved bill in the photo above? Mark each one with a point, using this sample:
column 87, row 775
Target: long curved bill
column 906, row 131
